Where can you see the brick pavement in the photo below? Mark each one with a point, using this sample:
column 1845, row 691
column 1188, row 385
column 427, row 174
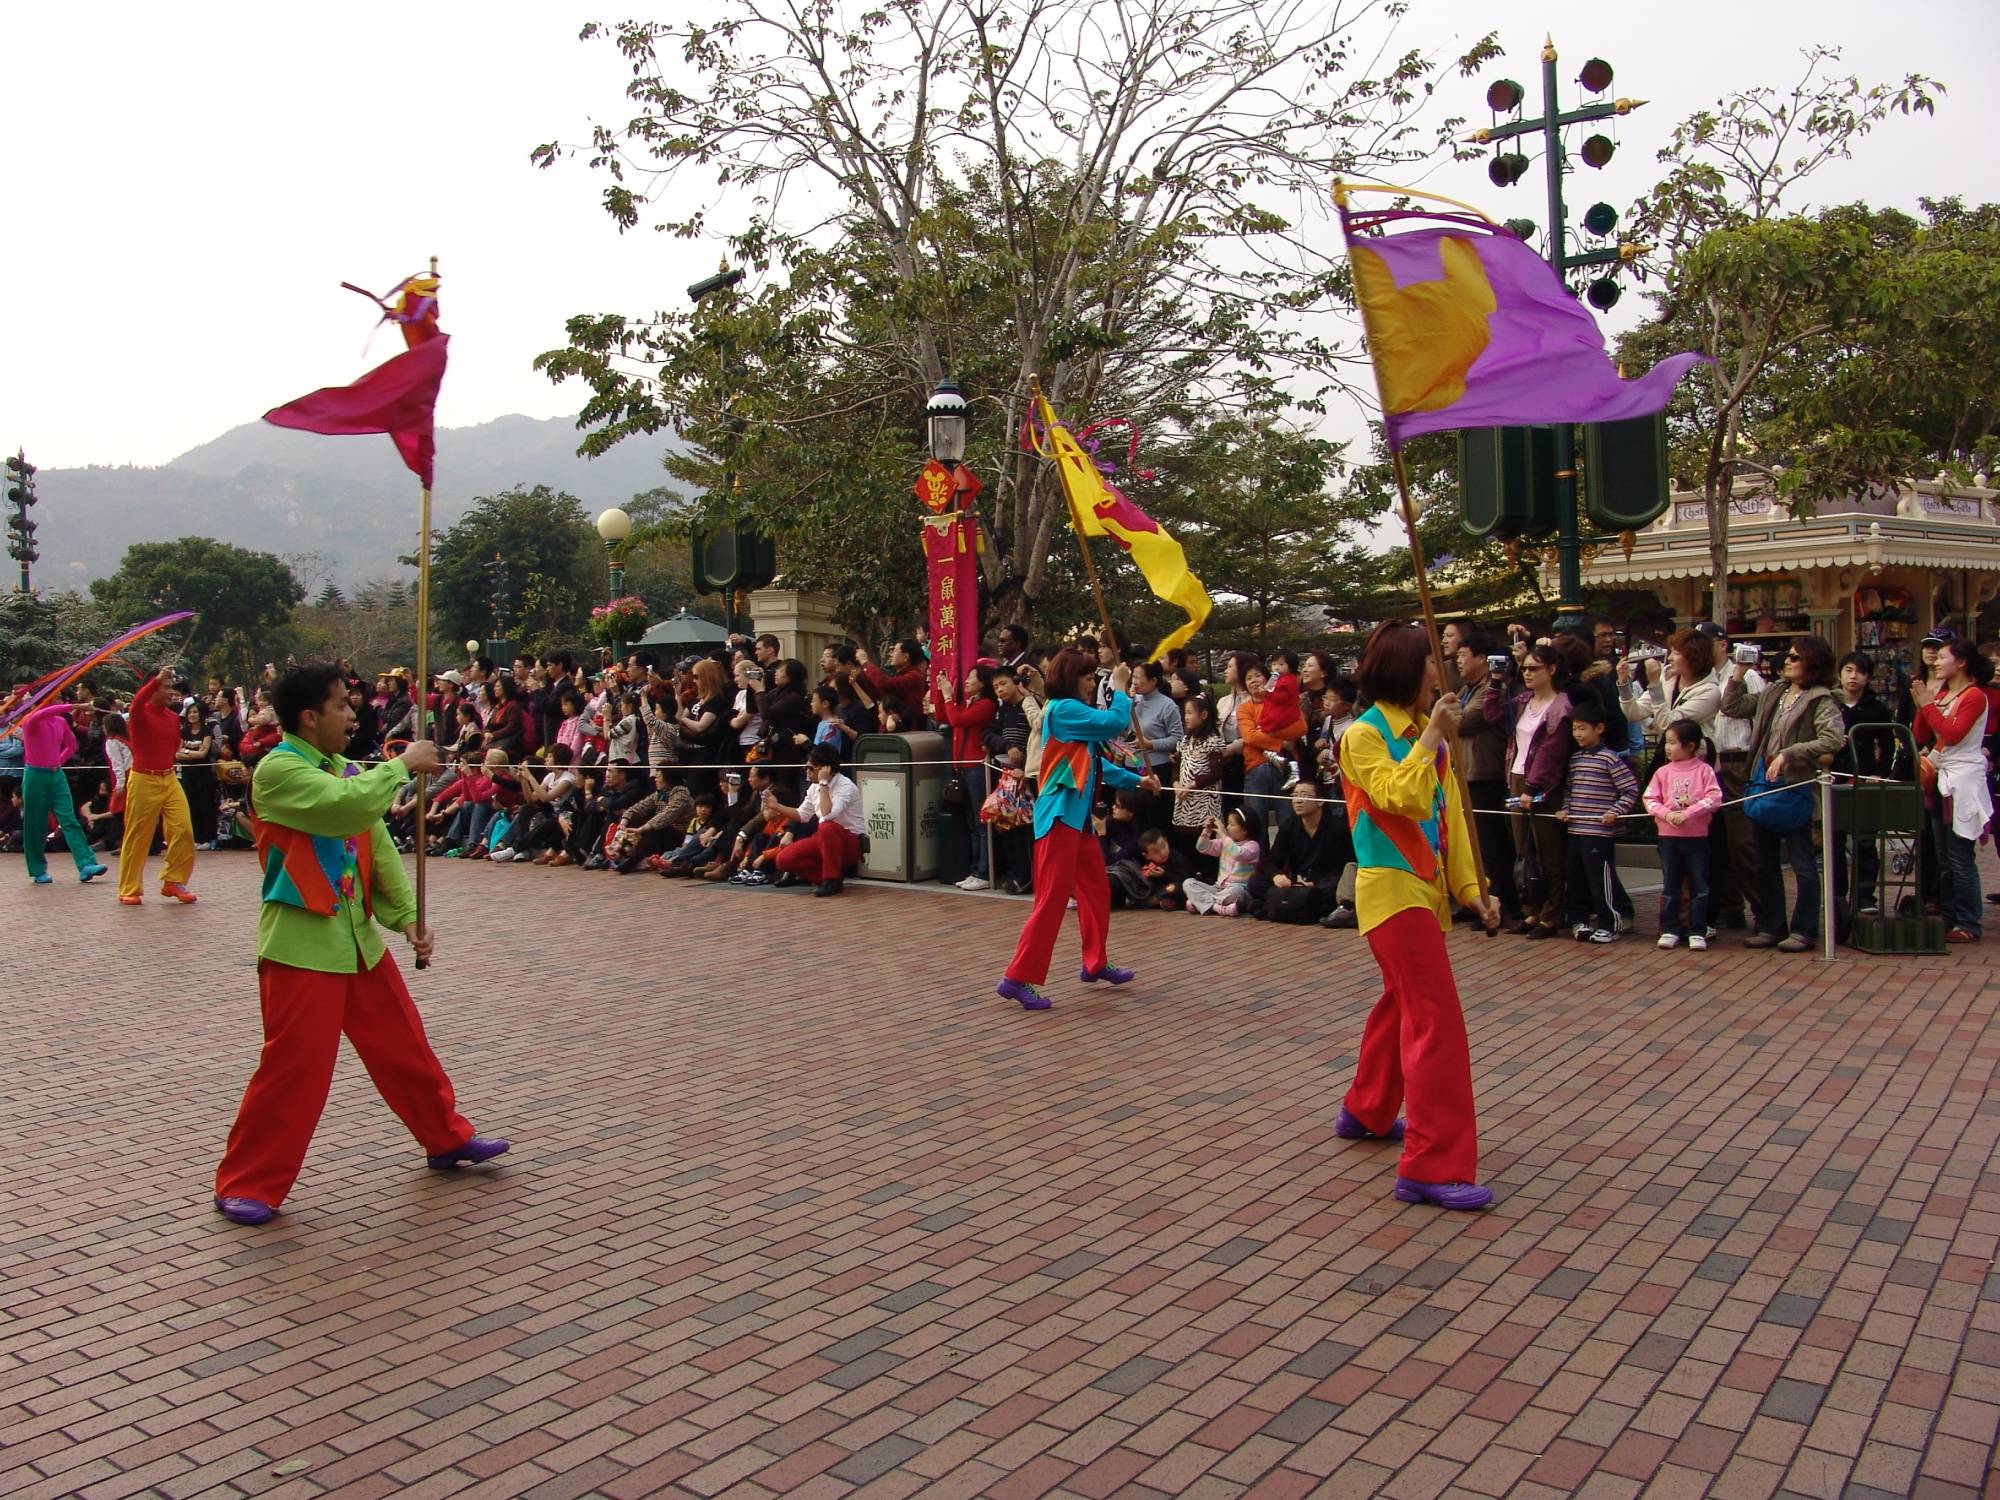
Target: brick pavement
column 798, row 1207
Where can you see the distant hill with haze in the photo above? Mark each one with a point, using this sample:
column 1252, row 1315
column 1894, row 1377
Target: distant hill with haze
column 349, row 500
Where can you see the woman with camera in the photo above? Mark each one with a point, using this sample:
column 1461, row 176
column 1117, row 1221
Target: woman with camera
column 1687, row 688
column 1792, row 725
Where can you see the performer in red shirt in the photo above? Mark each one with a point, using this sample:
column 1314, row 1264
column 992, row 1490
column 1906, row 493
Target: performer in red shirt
column 153, row 795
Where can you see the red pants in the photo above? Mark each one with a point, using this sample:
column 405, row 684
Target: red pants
column 1067, row 862
column 305, row 1012
column 828, row 855
column 1413, row 1048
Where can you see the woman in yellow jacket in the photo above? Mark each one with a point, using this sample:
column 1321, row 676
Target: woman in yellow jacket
column 1414, row 854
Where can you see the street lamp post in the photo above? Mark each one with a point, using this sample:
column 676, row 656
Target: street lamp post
column 614, row 526
column 1505, row 170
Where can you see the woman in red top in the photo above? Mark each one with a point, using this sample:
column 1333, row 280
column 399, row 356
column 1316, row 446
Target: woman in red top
column 969, row 722
column 1951, row 725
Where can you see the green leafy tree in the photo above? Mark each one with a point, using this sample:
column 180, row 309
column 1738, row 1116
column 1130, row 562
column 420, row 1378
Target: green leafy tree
column 1376, row 576
column 43, row 630
column 552, row 569
column 992, row 193
column 1258, row 510
column 243, row 599
column 1909, row 381
column 1742, row 280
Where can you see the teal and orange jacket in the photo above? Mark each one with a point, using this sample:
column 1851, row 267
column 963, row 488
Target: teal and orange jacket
column 331, row 871
column 1071, row 733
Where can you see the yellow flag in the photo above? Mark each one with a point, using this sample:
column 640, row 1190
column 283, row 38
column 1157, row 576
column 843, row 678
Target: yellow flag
column 1098, row 508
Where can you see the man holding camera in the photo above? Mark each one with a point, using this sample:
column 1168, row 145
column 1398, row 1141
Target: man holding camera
column 1736, row 871
column 330, row 874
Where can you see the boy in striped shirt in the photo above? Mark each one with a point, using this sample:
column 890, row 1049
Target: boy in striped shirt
column 1601, row 789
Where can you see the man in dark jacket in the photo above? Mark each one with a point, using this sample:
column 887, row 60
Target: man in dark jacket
column 1312, row 848
column 1482, row 750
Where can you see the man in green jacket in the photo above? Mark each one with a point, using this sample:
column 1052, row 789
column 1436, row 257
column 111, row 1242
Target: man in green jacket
column 331, row 874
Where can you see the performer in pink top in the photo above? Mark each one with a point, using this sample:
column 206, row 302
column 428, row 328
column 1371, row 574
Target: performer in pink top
column 49, row 740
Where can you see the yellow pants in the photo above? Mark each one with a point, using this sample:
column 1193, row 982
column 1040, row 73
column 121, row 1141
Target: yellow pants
column 153, row 798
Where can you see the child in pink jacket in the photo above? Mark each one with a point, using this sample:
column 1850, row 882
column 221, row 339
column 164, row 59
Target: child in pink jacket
column 1682, row 797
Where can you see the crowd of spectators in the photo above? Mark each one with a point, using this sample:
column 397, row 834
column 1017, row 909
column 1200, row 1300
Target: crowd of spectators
column 729, row 767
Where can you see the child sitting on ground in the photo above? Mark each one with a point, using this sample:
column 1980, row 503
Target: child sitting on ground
column 761, row 842
column 1238, row 854
column 696, row 845
column 1683, row 797
column 1153, row 877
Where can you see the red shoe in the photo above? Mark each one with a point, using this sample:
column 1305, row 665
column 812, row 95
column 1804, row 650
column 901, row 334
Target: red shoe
column 130, row 901
column 179, row 892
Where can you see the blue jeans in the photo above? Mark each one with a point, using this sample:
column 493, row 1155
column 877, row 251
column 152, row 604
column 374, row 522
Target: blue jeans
column 1958, row 887
column 1774, row 852
column 1684, row 859
column 973, row 779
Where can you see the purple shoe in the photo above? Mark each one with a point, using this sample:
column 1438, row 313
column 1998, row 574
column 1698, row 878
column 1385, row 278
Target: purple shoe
column 480, row 1148
column 245, row 1210
column 1350, row 1129
column 1443, row 1194
column 1029, row 997
column 1110, row 974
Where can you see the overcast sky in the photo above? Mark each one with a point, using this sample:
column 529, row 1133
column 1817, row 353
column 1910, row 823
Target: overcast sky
column 188, row 183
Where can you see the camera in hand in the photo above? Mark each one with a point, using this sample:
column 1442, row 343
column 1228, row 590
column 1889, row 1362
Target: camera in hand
column 1745, row 652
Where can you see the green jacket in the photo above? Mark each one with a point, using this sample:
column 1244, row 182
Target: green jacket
column 296, row 791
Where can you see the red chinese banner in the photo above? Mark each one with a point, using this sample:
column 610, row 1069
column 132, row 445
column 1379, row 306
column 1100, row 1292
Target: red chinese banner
column 951, row 559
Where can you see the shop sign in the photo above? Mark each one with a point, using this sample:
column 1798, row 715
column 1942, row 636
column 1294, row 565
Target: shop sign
column 1746, row 505
column 1953, row 505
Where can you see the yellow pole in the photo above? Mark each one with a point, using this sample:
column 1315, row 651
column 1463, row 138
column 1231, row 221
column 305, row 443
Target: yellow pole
column 423, row 693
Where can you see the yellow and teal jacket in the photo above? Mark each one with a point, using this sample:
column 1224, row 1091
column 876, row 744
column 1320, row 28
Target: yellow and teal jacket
column 1410, row 839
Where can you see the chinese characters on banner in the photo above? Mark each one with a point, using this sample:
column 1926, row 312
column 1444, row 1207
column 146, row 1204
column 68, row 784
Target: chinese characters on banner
column 951, row 561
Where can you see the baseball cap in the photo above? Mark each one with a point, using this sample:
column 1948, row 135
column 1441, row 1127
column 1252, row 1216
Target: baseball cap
column 1712, row 630
column 1939, row 635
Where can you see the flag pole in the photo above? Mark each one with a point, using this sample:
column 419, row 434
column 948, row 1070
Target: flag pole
column 423, row 696
column 1340, row 191
column 1082, row 541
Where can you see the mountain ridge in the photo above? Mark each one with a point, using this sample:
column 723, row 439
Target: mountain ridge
column 346, row 508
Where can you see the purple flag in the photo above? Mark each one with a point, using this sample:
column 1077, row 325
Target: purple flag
column 1468, row 327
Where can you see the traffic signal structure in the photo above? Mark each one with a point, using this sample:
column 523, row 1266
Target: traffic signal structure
column 20, row 525
column 1520, row 481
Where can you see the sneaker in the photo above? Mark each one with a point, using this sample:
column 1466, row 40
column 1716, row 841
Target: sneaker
column 1026, row 995
column 975, row 883
column 1671, row 940
column 1350, row 1129
column 1794, row 943
column 1340, row 916
column 43, row 879
column 755, row 877
column 85, row 876
column 1225, row 908
column 178, row 892
column 1465, row 1195
column 245, row 1210
column 1109, row 974
column 479, row 1149
column 504, row 856
column 1709, row 933
column 1698, row 944
column 131, row 901
column 1604, row 935
column 1581, row 932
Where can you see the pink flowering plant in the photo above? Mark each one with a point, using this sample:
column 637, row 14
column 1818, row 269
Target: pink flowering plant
column 623, row 619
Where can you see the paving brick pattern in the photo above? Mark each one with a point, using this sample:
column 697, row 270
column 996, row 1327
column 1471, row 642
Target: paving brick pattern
column 797, row 1207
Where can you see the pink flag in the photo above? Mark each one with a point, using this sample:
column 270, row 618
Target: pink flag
column 398, row 397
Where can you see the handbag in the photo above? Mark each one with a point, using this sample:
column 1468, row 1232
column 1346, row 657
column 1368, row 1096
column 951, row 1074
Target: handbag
column 1528, row 876
column 1776, row 805
column 1294, row 905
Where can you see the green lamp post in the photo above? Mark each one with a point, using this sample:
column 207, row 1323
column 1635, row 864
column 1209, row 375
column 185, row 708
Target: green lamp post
column 614, row 526
column 1506, row 168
